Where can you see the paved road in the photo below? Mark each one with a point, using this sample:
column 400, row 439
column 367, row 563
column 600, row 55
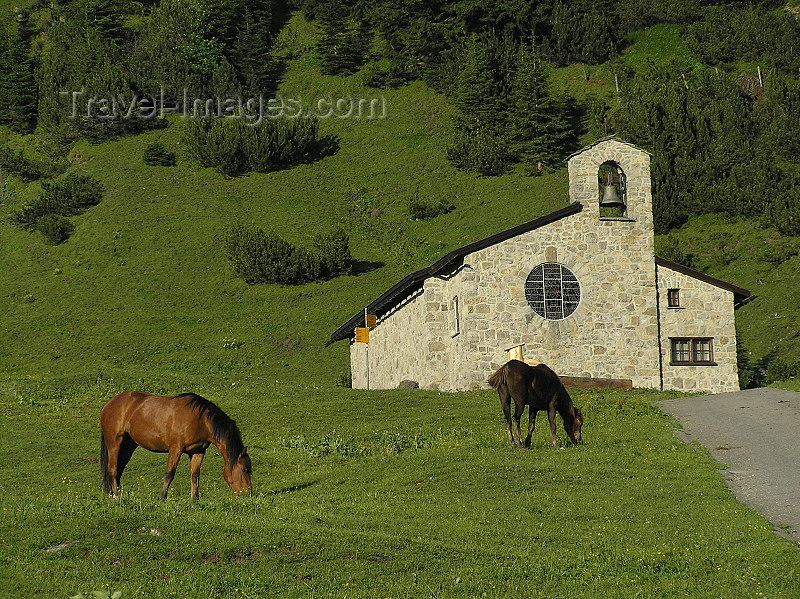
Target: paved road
column 757, row 434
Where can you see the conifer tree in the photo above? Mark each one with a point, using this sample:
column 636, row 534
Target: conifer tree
column 17, row 83
column 583, row 31
column 541, row 128
column 475, row 90
column 251, row 52
column 345, row 41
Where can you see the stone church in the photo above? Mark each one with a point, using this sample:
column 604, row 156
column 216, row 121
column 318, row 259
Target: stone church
column 579, row 289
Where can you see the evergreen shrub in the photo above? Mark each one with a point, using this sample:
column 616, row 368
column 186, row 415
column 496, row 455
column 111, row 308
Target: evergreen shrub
column 783, row 212
column 156, row 154
column 61, row 198
column 480, row 151
column 781, row 368
column 233, row 147
column 55, row 228
column 72, row 194
column 419, row 209
column 260, row 257
column 28, row 170
column 332, row 252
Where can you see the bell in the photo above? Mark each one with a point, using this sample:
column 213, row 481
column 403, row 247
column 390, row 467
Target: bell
column 610, row 197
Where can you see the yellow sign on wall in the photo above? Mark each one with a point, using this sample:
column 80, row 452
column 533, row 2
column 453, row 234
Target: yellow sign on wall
column 362, row 335
column 372, row 320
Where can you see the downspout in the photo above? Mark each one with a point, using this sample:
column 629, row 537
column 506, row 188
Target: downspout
column 658, row 323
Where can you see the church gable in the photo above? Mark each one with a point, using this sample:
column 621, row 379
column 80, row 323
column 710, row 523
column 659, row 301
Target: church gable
column 577, row 289
column 698, row 329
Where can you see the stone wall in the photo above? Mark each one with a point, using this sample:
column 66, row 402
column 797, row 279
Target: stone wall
column 397, row 349
column 453, row 333
column 705, row 311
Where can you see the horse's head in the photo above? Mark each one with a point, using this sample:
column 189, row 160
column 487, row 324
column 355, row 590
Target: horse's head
column 238, row 475
column 577, row 424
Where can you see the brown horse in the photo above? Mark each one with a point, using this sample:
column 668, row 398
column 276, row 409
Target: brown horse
column 539, row 388
column 186, row 424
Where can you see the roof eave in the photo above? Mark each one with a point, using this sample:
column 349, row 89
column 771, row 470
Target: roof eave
column 414, row 281
column 740, row 293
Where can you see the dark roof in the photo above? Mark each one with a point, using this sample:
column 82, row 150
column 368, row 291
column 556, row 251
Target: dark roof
column 449, row 262
column 414, row 281
column 739, row 293
column 608, row 138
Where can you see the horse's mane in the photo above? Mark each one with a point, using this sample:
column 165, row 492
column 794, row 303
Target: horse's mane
column 222, row 426
column 564, row 404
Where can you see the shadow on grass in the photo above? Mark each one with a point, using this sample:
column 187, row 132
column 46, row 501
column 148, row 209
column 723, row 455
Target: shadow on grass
column 361, row 267
column 293, row 488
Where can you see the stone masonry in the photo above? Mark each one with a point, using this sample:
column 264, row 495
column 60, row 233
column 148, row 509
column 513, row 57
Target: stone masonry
column 705, row 311
column 454, row 332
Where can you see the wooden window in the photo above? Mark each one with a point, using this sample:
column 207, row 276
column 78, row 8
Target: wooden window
column 701, row 350
column 680, row 351
column 692, row 351
column 674, row 298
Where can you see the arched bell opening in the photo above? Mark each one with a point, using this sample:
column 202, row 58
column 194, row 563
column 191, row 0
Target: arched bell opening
column 613, row 191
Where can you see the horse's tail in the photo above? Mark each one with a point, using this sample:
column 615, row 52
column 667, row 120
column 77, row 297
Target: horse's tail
column 104, row 464
column 498, row 378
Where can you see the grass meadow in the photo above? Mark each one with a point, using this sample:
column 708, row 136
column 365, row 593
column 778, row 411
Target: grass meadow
column 357, row 494
column 378, row 494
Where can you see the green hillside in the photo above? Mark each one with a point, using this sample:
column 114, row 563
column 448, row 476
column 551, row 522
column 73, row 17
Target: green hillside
column 144, row 284
column 392, row 493
column 144, row 280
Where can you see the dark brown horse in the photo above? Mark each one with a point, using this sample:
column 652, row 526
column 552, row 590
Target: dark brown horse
column 186, row 424
column 539, row 388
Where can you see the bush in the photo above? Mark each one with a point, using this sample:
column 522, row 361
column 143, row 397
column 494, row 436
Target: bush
column 479, row 150
column 260, row 257
column 669, row 248
column 783, row 212
column 217, row 143
column 155, row 154
column 64, row 197
column 781, row 368
column 750, row 375
column 55, row 228
column 72, row 194
column 255, row 254
column 28, row 170
column 234, row 147
column 332, row 252
column 424, row 209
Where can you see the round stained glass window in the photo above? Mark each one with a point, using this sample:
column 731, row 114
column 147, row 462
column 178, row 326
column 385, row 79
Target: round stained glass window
column 552, row 291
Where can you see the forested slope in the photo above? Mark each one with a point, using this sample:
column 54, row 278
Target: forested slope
column 112, row 195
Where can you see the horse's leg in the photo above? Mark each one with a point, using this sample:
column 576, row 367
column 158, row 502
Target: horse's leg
column 172, row 465
column 110, row 477
column 126, row 449
column 519, row 408
column 505, row 403
column 551, row 416
column 195, row 461
column 531, row 425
